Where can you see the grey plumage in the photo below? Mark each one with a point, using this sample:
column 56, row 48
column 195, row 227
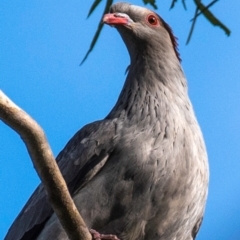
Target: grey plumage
column 142, row 172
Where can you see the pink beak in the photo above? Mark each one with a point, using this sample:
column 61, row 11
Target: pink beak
column 114, row 19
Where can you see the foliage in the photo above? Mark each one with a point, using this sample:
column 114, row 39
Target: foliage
column 200, row 9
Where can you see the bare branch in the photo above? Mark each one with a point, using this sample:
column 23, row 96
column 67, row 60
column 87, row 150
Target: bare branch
column 46, row 167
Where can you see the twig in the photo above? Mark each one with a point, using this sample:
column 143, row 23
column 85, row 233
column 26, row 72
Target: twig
column 46, row 167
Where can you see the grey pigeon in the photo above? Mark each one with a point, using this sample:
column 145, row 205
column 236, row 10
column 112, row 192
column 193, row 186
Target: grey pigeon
column 142, row 172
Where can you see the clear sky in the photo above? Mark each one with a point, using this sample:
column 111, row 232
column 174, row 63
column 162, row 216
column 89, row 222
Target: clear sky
column 41, row 46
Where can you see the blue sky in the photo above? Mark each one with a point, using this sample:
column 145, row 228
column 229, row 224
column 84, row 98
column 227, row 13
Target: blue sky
column 42, row 44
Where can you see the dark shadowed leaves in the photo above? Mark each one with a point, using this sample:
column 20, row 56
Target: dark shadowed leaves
column 200, row 9
column 99, row 29
column 209, row 15
column 184, row 4
column 175, row 1
column 194, row 20
column 151, row 2
column 93, row 7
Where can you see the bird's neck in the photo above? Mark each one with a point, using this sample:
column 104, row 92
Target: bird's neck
column 149, row 88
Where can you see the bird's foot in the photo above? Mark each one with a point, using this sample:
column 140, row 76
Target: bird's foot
column 97, row 236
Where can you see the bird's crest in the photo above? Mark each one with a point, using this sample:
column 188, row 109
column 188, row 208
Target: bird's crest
column 172, row 37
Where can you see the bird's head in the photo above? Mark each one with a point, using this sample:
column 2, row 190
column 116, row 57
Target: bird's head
column 143, row 31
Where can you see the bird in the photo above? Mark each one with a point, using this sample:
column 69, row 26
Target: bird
column 142, row 172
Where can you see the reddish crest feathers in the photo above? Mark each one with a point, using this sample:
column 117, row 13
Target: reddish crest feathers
column 172, row 37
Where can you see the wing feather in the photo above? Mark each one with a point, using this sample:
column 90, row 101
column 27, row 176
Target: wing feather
column 81, row 159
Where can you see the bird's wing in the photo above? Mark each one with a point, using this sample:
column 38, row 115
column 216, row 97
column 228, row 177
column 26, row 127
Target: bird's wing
column 81, row 159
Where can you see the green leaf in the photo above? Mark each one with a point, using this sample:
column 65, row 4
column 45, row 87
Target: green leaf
column 208, row 6
column 151, row 2
column 200, row 9
column 93, row 7
column 211, row 18
column 99, row 29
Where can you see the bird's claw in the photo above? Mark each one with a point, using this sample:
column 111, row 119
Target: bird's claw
column 97, row 236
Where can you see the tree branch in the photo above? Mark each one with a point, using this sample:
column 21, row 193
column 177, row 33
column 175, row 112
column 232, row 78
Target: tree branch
column 46, row 167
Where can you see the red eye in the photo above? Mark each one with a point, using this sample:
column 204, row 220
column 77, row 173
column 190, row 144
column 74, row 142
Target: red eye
column 152, row 19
